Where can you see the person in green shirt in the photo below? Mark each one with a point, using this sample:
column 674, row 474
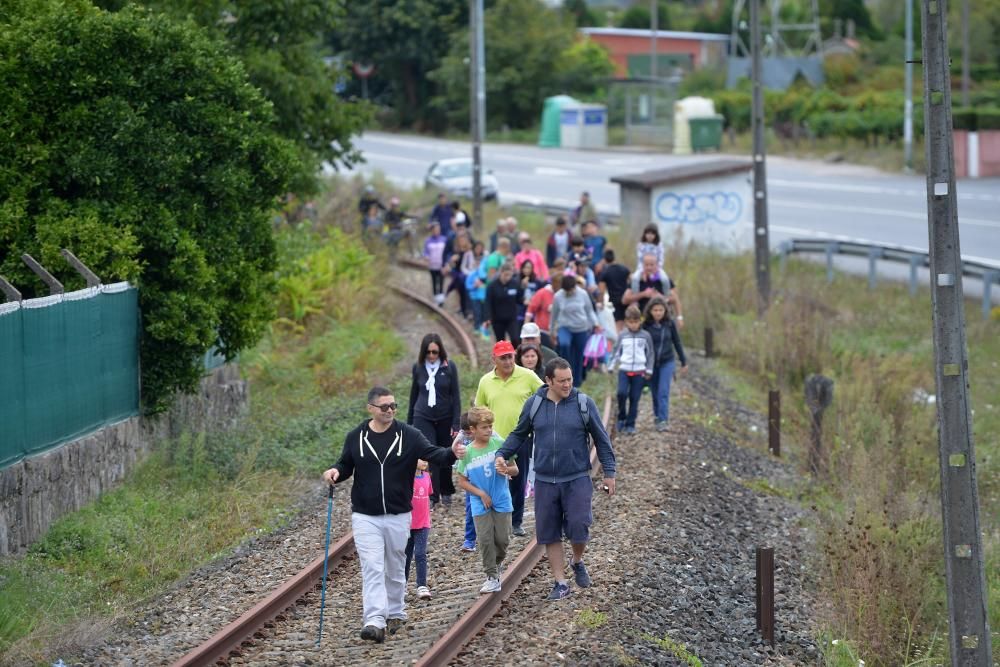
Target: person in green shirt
column 504, row 391
column 498, row 258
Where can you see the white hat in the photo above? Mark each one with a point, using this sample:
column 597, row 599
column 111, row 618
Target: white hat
column 530, row 330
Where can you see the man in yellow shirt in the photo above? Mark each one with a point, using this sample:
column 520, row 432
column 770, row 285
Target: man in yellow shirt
column 504, row 391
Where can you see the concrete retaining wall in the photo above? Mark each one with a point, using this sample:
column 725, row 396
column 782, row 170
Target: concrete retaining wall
column 40, row 489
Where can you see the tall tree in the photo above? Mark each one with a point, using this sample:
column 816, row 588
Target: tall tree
column 280, row 44
column 583, row 15
column 855, row 10
column 404, row 41
column 638, row 16
column 138, row 142
column 531, row 53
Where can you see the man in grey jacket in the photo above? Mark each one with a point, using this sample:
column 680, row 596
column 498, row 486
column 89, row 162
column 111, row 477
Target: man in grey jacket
column 561, row 423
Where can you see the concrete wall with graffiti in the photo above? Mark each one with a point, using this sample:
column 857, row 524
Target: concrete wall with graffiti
column 716, row 211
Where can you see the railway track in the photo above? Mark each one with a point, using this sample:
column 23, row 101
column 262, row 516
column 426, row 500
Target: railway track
column 282, row 627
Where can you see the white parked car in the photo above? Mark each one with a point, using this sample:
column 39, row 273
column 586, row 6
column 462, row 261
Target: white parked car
column 454, row 176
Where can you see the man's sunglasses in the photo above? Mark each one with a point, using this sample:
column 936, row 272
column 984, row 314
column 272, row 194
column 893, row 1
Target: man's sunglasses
column 385, row 408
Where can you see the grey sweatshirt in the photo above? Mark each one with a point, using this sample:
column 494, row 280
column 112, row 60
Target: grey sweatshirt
column 574, row 311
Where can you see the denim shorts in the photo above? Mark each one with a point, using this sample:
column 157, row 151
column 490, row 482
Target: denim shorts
column 563, row 508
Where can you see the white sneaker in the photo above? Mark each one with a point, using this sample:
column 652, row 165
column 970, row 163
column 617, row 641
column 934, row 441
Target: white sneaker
column 423, row 593
column 491, row 585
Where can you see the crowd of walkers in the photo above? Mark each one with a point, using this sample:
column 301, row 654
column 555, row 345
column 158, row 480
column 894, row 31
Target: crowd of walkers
column 529, row 429
column 521, row 425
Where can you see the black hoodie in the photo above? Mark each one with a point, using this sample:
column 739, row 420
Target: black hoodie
column 383, row 465
column 502, row 299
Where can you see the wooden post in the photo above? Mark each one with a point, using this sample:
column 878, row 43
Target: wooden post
column 774, row 421
column 765, row 593
column 819, row 394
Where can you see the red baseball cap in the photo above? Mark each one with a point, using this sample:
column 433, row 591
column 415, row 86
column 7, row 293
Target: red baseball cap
column 502, row 348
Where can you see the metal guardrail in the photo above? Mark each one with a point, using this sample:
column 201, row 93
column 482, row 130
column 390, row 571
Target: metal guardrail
column 916, row 259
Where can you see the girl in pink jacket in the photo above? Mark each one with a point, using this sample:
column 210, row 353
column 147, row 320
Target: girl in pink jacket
column 420, row 528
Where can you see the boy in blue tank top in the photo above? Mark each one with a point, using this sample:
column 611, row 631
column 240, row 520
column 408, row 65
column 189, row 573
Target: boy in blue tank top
column 489, row 491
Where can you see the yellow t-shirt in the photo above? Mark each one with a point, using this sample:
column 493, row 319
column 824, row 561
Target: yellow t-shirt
column 505, row 398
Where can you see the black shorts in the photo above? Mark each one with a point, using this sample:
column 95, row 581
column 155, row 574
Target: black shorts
column 619, row 312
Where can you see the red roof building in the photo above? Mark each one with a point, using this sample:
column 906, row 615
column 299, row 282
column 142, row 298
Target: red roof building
column 631, row 50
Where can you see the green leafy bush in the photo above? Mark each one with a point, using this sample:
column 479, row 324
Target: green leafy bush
column 973, row 119
column 139, row 144
column 869, row 116
column 988, row 119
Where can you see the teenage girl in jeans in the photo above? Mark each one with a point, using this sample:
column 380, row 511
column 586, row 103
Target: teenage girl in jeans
column 666, row 341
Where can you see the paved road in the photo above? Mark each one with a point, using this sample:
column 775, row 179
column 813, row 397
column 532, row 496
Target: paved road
column 807, row 199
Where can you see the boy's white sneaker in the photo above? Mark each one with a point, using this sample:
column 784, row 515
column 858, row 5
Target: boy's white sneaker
column 491, row 585
column 423, row 593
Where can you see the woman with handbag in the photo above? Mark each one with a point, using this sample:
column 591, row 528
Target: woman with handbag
column 573, row 320
column 435, row 406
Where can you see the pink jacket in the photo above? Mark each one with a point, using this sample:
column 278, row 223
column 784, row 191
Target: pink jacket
column 421, row 517
column 541, row 270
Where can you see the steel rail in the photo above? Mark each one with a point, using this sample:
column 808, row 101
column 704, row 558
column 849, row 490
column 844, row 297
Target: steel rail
column 454, row 326
column 221, row 644
column 451, row 643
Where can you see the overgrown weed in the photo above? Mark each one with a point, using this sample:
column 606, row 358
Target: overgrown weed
column 678, row 649
column 877, row 500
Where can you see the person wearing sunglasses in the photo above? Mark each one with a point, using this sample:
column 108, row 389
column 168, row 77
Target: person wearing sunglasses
column 381, row 454
column 435, row 407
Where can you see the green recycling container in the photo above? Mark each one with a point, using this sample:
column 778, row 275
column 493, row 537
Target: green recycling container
column 706, row 133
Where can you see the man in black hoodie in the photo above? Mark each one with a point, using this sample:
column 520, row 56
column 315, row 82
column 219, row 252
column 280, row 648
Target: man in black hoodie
column 502, row 298
column 382, row 453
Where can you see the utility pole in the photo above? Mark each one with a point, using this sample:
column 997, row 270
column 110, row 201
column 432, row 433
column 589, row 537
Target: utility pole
column 477, row 108
column 762, row 251
column 968, row 626
column 908, row 90
column 654, row 27
column 965, row 53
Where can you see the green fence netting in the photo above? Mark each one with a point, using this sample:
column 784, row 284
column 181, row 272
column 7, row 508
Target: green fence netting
column 69, row 364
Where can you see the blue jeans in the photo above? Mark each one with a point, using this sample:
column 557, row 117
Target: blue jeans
column 630, row 390
column 416, row 550
column 659, row 387
column 470, row 526
column 571, row 344
column 477, row 312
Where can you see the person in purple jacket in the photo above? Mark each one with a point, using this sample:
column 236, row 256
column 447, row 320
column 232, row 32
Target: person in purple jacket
column 434, row 248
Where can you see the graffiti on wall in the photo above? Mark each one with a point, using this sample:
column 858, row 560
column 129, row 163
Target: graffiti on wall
column 720, row 207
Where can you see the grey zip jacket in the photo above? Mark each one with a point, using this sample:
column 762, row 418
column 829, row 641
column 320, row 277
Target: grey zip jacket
column 562, row 448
